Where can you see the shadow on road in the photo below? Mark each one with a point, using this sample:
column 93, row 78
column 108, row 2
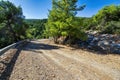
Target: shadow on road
column 37, row 46
column 31, row 46
column 5, row 75
column 9, row 66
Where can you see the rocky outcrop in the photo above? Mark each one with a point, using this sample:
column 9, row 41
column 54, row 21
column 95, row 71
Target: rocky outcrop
column 105, row 42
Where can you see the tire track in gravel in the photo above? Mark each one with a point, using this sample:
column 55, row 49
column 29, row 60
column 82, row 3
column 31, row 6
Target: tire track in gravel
column 41, row 61
column 33, row 65
column 104, row 69
column 64, row 58
column 80, row 70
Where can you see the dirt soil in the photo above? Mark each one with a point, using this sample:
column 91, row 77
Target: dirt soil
column 44, row 60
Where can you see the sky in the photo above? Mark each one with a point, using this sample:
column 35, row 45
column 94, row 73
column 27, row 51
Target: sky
column 38, row 9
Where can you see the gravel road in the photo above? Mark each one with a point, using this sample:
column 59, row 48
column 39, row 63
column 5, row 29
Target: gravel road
column 43, row 60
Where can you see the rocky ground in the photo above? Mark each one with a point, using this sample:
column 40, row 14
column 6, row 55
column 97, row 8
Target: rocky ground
column 106, row 43
column 43, row 60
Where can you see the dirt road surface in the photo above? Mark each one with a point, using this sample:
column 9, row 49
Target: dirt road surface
column 43, row 60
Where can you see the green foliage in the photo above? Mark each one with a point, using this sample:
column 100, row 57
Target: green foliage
column 105, row 21
column 113, row 27
column 109, row 13
column 62, row 20
column 85, row 22
column 36, row 28
column 12, row 25
column 61, row 23
column 106, row 15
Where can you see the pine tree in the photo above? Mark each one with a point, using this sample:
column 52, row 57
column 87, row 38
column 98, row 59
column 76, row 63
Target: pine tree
column 62, row 21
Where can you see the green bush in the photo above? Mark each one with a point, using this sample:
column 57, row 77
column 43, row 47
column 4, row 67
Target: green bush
column 113, row 27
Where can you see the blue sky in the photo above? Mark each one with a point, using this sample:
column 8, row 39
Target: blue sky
column 38, row 9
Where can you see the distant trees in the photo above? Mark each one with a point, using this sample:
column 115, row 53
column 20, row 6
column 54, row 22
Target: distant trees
column 12, row 25
column 36, row 28
column 62, row 21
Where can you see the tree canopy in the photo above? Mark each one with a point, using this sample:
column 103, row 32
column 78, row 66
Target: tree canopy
column 62, row 21
column 12, row 25
column 107, row 20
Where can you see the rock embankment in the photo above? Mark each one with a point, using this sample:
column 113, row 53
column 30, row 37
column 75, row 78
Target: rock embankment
column 102, row 42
